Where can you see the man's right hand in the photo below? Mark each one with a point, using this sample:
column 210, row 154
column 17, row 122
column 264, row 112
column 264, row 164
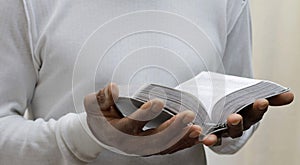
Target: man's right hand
column 127, row 134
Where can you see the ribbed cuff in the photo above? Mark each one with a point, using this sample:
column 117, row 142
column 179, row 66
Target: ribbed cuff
column 78, row 138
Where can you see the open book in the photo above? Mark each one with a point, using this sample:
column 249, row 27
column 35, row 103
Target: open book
column 212, row 96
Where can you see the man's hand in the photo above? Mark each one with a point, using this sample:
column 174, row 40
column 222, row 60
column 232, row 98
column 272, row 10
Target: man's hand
column 237, row 123
column 127, row 134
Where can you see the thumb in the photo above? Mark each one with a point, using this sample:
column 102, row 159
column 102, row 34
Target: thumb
column 107, row 96
column 103, row 100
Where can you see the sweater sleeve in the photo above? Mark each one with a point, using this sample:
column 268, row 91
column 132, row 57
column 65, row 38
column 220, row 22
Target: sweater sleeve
column 237, row 58
column 237, row 61
column 22, row 141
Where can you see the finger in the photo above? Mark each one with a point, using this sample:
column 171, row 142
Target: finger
column 177, row 122
column 112, row 114
column 163, row 126
column 210, row 140
column 190, row 139
column 282, row 99
column 194, row 131
column 235, row 125
column 134, row 123
column 148, row 111
column 259, row 108
column 180, row 121
column 91, row 105
column 107, row 96
column 172, row 131
column 254, row 113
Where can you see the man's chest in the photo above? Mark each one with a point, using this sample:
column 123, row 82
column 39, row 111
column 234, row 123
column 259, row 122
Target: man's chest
column 130, row 42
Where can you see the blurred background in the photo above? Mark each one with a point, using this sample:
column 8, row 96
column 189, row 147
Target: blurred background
column 276, row 54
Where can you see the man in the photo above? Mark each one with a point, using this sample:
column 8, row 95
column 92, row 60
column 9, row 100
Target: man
column 40, row 41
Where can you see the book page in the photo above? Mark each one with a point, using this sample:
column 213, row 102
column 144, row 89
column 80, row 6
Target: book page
column 210, row 87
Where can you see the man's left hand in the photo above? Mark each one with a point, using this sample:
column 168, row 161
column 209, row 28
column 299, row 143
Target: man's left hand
column 237, row 123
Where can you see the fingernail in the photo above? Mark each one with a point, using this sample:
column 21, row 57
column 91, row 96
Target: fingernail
column 263, row 105
column 106, row 91
column 186, row 120
column 194, row 134
column 157, row 105
column 236, row 122
column 188, row 117
column 114, row 91
column 146, row 105
column 211, row 139
column 101, row 96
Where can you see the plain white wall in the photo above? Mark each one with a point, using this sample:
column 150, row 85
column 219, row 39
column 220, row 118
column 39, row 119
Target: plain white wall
column 276, row 45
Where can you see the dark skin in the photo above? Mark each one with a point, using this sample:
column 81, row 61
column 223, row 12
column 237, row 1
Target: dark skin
column 237, row 123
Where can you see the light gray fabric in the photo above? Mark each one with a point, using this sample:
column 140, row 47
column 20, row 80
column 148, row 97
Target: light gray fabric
column 39, row 44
